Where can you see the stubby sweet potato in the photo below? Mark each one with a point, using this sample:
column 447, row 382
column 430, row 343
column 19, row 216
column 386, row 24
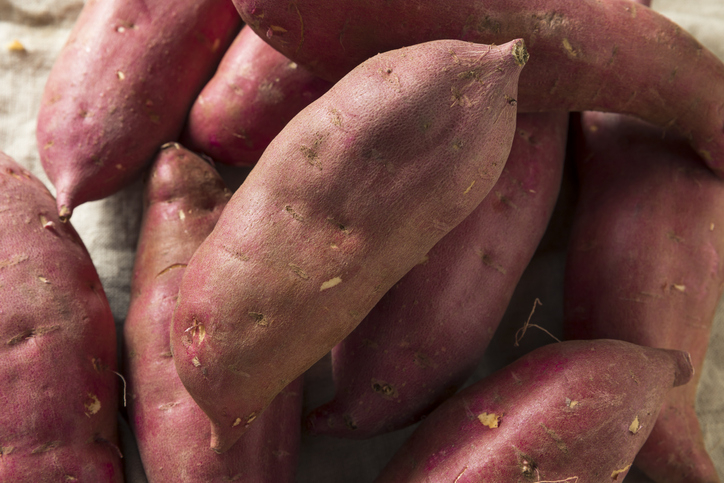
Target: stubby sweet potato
column 122, row 86
column 183, row 200
column 255, row 92
column 611, row 55
column 645, row 266
column 426, row 335
column 59, row 392
column 347, row 198
column 570, row 412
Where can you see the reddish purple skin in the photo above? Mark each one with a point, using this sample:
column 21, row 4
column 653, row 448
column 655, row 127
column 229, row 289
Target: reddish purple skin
column 255, row 92
column 425, row 336
column 645, row 266
column 57, row 345
column 349, row 197
column 184, row 198
column 604, row 56
column 122, row 87
column 565, row 413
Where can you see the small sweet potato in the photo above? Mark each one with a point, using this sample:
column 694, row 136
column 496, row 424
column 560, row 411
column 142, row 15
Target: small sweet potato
column 568, row 412
column 122, row 86
column 426, row 335
column 57, row 345
column 347, row 198
column 183, row 200
column 645, row 266
column 255, row 92
column 611, row 55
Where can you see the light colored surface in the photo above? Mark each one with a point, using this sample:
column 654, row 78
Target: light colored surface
column 110, row 227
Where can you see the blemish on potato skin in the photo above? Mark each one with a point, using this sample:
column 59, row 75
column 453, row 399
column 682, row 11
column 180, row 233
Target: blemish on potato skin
column 44, row 448
column 93, row 406
column 31, row 333
column 385, row 389
column 333, row 282
column 299, row 271
column 260, row 319
column 617, row 473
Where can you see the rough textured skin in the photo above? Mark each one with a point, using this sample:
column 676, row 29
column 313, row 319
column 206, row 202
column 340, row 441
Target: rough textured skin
column 349, row 197
column 255, row 92
column 593, row 55
column 570, row 412
column 184, row 198
column 645, row 266
column 122, row 86
column 426, row 335
column 59, row 393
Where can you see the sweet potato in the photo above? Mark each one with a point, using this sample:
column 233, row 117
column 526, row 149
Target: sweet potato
column 607, row 55
column 58, row 352
column 255, row 92
column 426, row 335
column 645, row 266
column 183, row 199
column 122, row 86
column 347, row 198
column 568, row 412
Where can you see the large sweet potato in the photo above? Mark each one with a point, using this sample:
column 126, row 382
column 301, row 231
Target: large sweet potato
column 183, row 200
column 122, row 86
column 255, row 92
column 58, row 390
column 348, row 197
column 645, row 266
column 426, row 335
column 611, row 55
column 570, row 412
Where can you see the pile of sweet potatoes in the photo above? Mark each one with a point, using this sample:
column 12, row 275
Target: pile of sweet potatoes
column 407, row 158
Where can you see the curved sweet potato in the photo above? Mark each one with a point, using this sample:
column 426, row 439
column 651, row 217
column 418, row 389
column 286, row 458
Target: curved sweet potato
column 255, row 92
column 350, row 196
column 57, row 345
column 569, row 412
column 122, row 86
column 184, row 198
column 645, row 266
column 607, row 55
column 426, row 335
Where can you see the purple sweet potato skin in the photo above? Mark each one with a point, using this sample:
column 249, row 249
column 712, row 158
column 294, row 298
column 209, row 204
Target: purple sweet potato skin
column 184, row 198
column 349, row 197
column 255, row 92
column 593, row 55
column 645, row 266
column 57, row 345
column 122, row 86
column 574, row 411
column 426, row 335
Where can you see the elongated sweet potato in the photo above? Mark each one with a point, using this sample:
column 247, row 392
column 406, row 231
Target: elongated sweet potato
column 57, row 345
column 569, row 412
column 255, row 92
column 426, row 335
column 349, row 197
column 122, row 86
column 184, row 198
column 607, row 55
column 645, row 266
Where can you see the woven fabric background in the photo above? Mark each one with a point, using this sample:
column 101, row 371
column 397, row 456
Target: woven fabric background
column 110, row 229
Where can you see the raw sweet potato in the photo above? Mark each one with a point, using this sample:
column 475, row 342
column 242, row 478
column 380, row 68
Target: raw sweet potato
column 255, row 92
column 58, row 345
column 184, row 197
column 610, row 55
column 645, row 266
column 426, row 335
column 570, row 412
column 122, row 86
column 347, row 198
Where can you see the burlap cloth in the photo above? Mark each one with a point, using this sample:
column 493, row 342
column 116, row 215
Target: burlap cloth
column 109, row 228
